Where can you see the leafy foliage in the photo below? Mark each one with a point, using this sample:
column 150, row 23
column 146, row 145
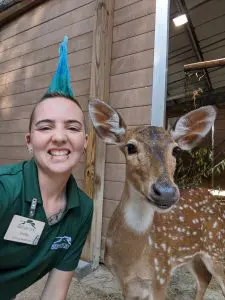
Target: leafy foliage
column 195, row 166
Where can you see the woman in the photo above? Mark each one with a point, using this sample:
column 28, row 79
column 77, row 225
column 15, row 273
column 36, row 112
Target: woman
column 45, row 217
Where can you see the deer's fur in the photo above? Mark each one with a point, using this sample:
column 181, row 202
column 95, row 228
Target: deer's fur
column 156, row 227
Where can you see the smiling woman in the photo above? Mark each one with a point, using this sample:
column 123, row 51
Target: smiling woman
column 43, row 192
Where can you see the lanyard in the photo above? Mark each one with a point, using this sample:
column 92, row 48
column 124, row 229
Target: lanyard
column 32, row 208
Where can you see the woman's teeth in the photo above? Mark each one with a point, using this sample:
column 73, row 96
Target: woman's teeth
column 59, row 153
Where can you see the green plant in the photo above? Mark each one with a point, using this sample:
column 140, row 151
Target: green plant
column 195, row 166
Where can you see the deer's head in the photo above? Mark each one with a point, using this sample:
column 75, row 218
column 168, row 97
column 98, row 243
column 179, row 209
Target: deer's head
column 151, row 151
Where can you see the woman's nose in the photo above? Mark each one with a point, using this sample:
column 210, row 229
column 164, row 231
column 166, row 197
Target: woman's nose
column 59, row 136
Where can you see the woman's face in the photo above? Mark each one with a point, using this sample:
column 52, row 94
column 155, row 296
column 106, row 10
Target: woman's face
column 57, row 135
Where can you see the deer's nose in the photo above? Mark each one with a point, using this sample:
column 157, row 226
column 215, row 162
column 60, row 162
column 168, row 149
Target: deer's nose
column 164, row 194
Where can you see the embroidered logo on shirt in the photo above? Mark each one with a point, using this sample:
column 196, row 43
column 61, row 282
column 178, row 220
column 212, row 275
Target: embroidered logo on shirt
column 62, row 242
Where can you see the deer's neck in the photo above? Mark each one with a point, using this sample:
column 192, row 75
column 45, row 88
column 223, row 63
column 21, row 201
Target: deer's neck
column 138, row 213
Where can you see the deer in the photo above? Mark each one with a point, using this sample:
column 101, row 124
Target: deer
column 156, row 227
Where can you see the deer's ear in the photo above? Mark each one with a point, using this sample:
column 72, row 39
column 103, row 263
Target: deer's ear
column 194, row 126
column 108, row 124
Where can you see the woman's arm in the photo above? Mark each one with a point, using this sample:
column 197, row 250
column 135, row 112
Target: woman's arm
column 57, row 285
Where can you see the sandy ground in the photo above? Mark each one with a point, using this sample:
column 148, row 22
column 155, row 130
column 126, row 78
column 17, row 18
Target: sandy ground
column 100, row 285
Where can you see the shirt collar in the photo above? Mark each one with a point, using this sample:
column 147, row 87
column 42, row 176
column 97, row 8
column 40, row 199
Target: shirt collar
column 32, row 189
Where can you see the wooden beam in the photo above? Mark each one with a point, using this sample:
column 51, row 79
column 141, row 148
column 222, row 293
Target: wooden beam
column 17, row 10
column 205, row 64
column 95, row 160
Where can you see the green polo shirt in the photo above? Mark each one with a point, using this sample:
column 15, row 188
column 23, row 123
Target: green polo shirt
column 60, row 245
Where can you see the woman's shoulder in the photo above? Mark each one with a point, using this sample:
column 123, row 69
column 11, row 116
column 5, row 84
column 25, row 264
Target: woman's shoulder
column 10, row 177
column 12, row 169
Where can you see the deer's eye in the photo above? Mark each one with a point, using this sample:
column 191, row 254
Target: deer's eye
column 176, row 151
column 131, row 149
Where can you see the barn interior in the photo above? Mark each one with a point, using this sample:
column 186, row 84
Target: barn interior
column 201, row 38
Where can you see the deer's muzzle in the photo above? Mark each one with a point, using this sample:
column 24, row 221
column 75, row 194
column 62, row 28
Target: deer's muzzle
column 164, row 194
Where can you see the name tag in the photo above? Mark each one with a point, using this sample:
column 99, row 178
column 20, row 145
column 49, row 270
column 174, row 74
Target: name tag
column 24, row 230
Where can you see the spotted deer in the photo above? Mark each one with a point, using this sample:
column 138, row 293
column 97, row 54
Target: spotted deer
column 156, row 228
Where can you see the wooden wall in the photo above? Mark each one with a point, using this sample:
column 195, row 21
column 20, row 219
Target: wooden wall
column 28, row 59
column 130, row 86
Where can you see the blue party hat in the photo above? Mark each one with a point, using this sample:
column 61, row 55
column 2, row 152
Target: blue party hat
column 61, row 84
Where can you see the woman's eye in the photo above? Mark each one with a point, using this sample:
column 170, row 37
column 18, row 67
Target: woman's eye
column 74, row 128
column 131, row 149
column 176, row 151
column 44, row 128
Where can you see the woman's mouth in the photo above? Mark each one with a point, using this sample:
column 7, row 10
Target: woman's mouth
column 59, row 154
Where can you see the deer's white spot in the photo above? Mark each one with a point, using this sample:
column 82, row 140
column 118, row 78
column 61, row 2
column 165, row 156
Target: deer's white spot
column 163, row 246
column 215, row 224
column 181, row 219
column 156, row 262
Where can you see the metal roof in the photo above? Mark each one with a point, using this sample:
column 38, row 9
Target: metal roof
column 202, row 38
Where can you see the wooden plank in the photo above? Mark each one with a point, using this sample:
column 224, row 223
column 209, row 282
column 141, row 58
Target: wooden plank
column 105, row 225
column 209, row 29
column 80, row 87
column 131, row 80
column 82, row 71
column 140, row 115
column 69, row 18
column 4, row 161
column 46, row 40
column 179, row 66
column 131, row 98
column 135, row 27
column 205, row 64
column 114, row 155
column 45, row 12
column 95, row 164
column 33, row 97
column 134, row 44
column 75, row 44
column 109, row 207
column 14, row 126
column 18, row 152
column 179, row 42
column 16, row 113
column 12, row 139
column 212, row 40
column 133, row 62
column 119, row 4
column 17, row 10
column 113, row 190
column 21, row 99
column 181, row 57
column 211, row 11
column 115, row 172
column 133, row 11
column 220, row 125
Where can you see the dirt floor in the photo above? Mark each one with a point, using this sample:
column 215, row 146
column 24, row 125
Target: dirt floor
column 100, row 285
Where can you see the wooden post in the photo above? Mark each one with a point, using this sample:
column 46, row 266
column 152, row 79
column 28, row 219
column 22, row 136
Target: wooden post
column 95, row 159
column 205, row 64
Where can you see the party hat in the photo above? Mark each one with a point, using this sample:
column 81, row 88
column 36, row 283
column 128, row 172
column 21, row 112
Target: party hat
column 61, row 84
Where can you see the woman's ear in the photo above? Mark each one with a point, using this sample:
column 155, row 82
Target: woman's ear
column 27, row 139
column 86, row 142
column 28, row 143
